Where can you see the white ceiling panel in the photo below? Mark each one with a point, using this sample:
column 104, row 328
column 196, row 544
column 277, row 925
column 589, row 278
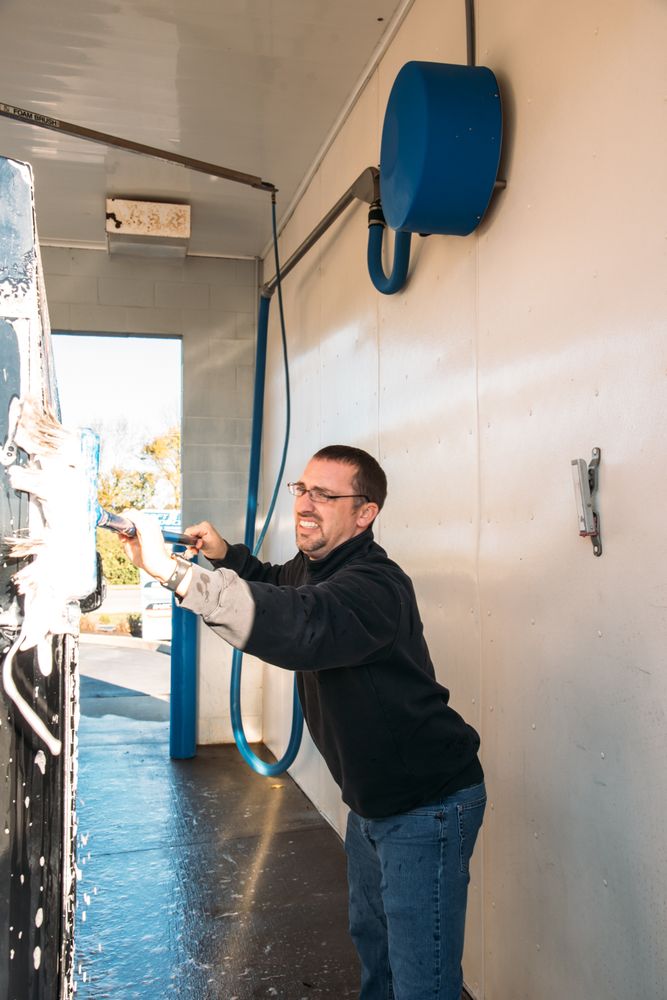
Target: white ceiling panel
column 254, row 85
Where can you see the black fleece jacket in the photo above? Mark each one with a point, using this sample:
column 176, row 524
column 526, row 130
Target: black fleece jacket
column 349, row 625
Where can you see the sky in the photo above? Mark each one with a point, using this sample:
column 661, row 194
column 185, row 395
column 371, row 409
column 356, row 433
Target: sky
column 127, row 388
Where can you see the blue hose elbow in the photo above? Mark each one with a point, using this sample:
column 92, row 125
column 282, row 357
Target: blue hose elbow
column 399, row 272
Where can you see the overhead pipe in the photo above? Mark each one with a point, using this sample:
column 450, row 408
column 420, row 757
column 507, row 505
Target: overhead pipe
column 470, row 32
column 26, row 117
column 365, row 188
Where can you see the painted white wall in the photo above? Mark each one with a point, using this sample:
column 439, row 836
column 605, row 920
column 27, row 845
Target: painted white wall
column 508, row 354
column 210, row 303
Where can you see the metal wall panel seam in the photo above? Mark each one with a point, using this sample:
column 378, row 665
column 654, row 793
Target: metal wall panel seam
column 478, row 515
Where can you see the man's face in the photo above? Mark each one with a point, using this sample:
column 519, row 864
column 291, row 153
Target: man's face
column 321, row 527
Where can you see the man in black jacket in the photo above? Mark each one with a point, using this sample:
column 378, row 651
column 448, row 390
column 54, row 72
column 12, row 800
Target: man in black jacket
column 345, row 617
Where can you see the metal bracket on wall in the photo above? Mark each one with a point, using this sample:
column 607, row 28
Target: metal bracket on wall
column 585, row 479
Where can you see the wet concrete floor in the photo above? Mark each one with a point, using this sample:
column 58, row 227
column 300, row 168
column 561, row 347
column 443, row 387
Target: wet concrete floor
column 199, row 879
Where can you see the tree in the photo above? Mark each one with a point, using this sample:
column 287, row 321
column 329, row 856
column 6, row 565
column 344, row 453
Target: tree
column 121, row 442
column 123, row 488
column 164, row 452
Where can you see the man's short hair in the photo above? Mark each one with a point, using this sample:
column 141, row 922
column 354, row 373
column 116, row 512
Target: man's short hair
column 369, row 478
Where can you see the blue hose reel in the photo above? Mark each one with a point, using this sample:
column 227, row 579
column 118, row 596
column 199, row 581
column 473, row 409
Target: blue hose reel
column 439, row 158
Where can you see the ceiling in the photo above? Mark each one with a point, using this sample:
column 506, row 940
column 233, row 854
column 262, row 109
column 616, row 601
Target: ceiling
column 254, row 85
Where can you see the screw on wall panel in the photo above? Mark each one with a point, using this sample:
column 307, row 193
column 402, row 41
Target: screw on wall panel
column 585, row 479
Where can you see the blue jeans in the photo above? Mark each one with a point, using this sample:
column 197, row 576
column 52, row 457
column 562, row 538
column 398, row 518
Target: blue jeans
column 408, row 878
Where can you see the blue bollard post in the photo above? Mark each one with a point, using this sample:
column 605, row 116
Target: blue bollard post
column 183, row 702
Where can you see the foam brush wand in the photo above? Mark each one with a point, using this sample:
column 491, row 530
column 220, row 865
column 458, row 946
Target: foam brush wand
column 123, row 526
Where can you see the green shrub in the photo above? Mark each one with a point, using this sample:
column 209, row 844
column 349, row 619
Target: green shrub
column 118, row 570
column 134, row 623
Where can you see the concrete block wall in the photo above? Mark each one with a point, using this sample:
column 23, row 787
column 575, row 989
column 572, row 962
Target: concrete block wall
column 210, row 304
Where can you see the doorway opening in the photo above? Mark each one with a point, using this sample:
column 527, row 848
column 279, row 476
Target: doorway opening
column 128, row 389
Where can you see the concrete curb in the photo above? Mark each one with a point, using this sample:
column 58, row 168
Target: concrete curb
column 127, row 641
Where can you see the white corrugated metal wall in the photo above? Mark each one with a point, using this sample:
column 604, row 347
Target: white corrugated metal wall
column 508, row 354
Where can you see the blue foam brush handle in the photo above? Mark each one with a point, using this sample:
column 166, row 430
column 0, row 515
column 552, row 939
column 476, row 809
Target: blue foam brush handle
column 114, row 522
column 122, row 525
column 175, row 539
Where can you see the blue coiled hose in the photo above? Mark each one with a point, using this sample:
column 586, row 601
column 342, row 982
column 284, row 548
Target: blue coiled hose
column 255, row 762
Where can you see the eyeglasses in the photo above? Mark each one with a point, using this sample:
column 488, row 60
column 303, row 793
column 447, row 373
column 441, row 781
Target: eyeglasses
column 319, row 496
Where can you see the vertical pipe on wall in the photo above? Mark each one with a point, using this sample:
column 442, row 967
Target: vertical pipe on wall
column 470, row 32
column 183, row 698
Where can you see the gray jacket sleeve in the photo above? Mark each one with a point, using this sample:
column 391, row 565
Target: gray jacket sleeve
column 224, row 601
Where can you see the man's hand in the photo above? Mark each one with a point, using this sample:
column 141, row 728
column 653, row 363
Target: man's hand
column 146, row 549
column 209, row 542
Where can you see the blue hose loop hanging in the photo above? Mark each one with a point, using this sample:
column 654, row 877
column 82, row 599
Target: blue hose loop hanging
column 388, row 285
column 440, row 151
column 256, row 763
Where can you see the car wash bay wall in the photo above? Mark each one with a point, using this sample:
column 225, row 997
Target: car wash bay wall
column 508, row 354
column 211, row 304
